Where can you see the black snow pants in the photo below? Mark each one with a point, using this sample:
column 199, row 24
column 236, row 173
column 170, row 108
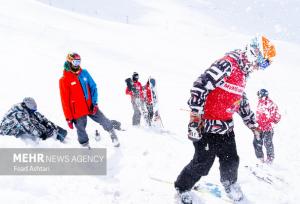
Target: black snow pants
column 210, row 146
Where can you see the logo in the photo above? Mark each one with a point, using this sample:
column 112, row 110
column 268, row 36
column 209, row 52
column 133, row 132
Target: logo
column 232, row 88
column 73, row 83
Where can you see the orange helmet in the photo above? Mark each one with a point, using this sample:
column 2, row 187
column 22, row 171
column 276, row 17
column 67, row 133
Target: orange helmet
column 260, row 51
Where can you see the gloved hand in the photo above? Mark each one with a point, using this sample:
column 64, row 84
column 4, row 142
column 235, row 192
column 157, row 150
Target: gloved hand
column 194, row 133
column 94, row 109
column 256, row 133
column 70, row 123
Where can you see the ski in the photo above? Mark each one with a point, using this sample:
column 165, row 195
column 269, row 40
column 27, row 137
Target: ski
column 259, row 176
column 264, row 175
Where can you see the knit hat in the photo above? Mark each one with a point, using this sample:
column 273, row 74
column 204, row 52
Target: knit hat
column 30, row 103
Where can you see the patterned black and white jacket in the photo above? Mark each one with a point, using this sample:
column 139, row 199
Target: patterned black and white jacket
column 20, row 121
column 212, row 78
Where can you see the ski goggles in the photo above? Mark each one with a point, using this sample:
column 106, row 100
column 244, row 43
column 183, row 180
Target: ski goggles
column 262, row 62
column 135, row 77
column 76, row 63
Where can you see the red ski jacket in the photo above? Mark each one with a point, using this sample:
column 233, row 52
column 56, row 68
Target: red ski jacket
column 74, row 102
column 224, row 100
column 267, row 114
column 139, row 87
column 148, row 94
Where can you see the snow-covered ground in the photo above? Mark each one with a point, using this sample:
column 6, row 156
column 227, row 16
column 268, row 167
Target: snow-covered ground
column 173, row 41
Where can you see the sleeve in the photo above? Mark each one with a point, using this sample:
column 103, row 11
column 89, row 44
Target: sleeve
column 276, row 116
column 93, row 88
column 246, row 113
column 65, row 99
column 208, row 81
column 44, row 121
column 128, row 92
column 26, row 124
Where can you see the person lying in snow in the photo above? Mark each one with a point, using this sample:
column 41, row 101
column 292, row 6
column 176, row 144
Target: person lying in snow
column 24, row 121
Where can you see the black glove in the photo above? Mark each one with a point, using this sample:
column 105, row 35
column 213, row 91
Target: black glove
column 94, row 109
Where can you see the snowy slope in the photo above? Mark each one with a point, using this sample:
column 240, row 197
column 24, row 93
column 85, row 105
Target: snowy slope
column 276, row 18
column 173, row 41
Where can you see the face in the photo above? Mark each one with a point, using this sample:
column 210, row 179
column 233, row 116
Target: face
column 255, row 61
column 255, row 67
column 135, row 77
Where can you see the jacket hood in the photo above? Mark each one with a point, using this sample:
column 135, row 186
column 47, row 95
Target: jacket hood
column 242, row 60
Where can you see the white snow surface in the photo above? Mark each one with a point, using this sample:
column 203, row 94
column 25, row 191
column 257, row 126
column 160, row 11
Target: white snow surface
column 173, row 41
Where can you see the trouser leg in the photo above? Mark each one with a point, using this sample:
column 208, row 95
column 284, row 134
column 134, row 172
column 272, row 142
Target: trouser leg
column 80, row 125
column 200, row 165
column 228, row 157
column 136, row 119
column 268, row 142
column 150, row 113
column 258, row 144
column 100, row 118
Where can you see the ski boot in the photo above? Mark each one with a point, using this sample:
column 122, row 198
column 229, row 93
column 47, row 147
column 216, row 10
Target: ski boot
column 261, row 160
column 269, row 160
column 114, row 138
column 233, row 191
column 86, row 145
column 185, row 197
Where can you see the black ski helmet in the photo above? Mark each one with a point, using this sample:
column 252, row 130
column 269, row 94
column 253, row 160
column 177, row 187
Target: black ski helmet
column 262, row 93
column 135, row 76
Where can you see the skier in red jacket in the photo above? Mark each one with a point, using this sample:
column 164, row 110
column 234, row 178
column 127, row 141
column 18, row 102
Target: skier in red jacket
column 215, row 96
column 266, row 115
column 149, row 102
column 137, row 98
column 79, row 98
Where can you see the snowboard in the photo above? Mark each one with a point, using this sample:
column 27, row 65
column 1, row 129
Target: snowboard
column 130, row 86
column 203, row 188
